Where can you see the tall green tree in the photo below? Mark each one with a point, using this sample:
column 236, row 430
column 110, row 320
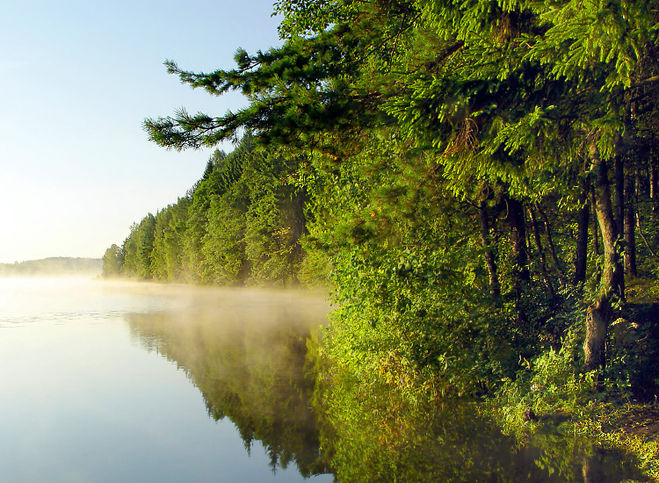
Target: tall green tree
column 113, row 260
column 510, row 116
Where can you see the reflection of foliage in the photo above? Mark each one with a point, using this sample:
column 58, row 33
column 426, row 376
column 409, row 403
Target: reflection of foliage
column 372, row 433
column 249, row 366
column 251, row 356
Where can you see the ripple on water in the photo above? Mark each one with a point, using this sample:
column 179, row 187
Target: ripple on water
column 58, row 318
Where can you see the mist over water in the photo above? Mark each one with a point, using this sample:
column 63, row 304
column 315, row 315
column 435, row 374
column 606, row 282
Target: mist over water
column 119, row 381
column 245, row 351
column 82, row 400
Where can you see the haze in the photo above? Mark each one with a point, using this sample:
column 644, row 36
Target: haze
column 77, row 79
column 83, row 400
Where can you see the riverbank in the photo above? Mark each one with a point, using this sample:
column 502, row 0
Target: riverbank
column 633, row 427
column 619, row 412
column 630, row 428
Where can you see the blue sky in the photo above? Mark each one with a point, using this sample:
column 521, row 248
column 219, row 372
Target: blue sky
column 77, row 78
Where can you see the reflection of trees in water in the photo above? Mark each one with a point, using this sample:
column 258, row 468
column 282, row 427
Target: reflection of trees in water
column 375, row 435
column 250, row 368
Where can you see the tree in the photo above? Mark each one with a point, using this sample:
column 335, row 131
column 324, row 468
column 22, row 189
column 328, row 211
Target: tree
column 113, row 260
column 494, row 111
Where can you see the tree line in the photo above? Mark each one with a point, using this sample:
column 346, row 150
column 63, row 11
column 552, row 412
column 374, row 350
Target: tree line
column 476, row 179
column 242, row 222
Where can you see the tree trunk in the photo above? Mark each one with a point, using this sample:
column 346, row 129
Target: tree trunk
column 630, row 241
column 293, row 211
column 596, row 241
column 612, row 274
column 541, row 251
column 581, row 252
column 653, row 184
column 618, row 194
column 599, row 312
column 490, row 260
column 597, row 322
column 519, row 260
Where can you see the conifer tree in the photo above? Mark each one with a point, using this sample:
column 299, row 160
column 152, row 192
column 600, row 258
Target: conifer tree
column 523, row 100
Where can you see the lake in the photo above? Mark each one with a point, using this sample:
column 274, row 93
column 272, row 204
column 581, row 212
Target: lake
column 93, row 391
column 114, row 381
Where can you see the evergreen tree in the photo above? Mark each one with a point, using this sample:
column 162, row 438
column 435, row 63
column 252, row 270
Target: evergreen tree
column 113, row 260
column 439, row 151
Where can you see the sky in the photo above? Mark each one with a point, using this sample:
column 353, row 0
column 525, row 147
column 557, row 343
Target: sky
column 77, row 79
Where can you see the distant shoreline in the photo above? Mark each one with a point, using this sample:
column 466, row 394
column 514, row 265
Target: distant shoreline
column 53, row 266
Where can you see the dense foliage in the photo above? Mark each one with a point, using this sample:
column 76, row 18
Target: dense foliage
column 479, row 178
column 241, row 223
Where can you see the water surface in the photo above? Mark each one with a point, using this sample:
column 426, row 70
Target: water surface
column 107, row 382
column 82, row 400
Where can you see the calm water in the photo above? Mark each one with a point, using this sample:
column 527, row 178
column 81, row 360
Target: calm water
column 92, row 391
column 105, row 381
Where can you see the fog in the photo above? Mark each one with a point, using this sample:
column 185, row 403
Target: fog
column 246, row 351
column 80, row 353
column 53, row 267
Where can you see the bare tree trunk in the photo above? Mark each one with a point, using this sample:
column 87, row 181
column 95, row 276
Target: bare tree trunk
column 629, row 175
column 519, row 261
column 653, row 185
column 618, row 194
column 630, row 215
column 591, row 469
column 596, row 241
column 581, row 255
column 598, row 317
column 293, row 210
column 612, row 273
column 599, row 313
column 527, row 237
column 490, row 259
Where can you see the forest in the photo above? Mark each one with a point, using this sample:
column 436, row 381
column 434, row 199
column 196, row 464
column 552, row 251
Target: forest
column 475, row 182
